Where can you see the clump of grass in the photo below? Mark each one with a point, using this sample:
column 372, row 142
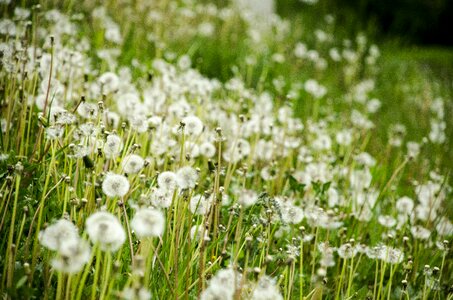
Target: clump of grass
column 129, row 173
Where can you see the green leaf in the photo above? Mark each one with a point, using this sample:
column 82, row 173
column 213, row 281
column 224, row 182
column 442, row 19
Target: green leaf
column 21, row 282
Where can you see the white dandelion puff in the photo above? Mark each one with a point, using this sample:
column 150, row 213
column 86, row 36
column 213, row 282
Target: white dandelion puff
column 115, row 185
column 132, row 163
column 105, row 229
column 148, row 222
column 200, row 205
column 72, row 256
column 113, row 146
column 167, row 181
column 192, row 125
column 187, row 177
column 58, row 234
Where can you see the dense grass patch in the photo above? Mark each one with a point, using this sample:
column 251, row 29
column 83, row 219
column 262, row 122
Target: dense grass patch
column 195, row 149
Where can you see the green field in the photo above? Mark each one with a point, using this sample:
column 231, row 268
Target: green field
column 220, row 150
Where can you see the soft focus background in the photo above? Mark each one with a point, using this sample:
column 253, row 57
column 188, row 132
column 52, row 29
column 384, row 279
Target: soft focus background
column 421, row 22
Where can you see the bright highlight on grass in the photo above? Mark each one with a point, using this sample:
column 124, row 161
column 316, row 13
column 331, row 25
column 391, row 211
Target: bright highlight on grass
column 184, row 150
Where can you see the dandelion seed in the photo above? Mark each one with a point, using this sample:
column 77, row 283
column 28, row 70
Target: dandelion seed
column 113, row 146
column 387, row 221
column 200, row 205
column 405, row 205
column 167, row 181
column 196, row 233
column 132, row 163
column 115, row 185
column 444, row 227
column 266, row 289
column 346, row 251
column 207, row 150
column 223, row 285
column 247, row 198
column 148, row 222
column 58, row 234
column 187, row 177
column 216, row 293
column 290, row 213
column 136, row 294
column 105, row 229
column 420, row 232
column 237, row 151
column 192, row 126
column 161, row 198
column 72, row 256
column 390, row 255
column 109, row 82
column 88, row 110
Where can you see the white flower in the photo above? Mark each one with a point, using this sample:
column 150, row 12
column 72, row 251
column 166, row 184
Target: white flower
column 88, row 110
column 115, row 185
column 57, row 235
column 148, row 222
column 161, row 198
column 132, row 163
column 113, row 146
column 196, row 231
column 238, row 150
column 167, row 181
column 405, row 205
column 72, row 256
column 386, row 221
column 105, row 229
column 360, row 179
column 314, row 88
column 420, row 232
column 216, row 293
column 193, row 125
column 187, row 177
column 290, row 213
column 365, row 159
column 109, row 82
column 266, row 289
column 247, row 198
column 207, row 149
column 391, row 255
column 346, row 251
column 444, row 227
column 413, row 149
column 223, row 285
column 136, row 294
column 200, row 205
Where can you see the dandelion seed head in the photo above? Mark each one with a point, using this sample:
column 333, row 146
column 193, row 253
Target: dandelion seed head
column 139, row 293
column 132, row 163
column 113, row 146
column 247, row 198
column 387, row 221
column 115, row 185
column 72, row 256
column 192, row 125
column 196, row 233
column 347, row 251
column 405, row 205
column 266, row 289
column 148, row 222
column 420, row 232
column 187, row 177
column 105, row 229
column 58, row 234
column 207, row 149
column 200, row 204
column 167, row 181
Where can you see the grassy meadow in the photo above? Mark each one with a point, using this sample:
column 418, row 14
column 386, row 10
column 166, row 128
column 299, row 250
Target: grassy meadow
column 220, row 150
